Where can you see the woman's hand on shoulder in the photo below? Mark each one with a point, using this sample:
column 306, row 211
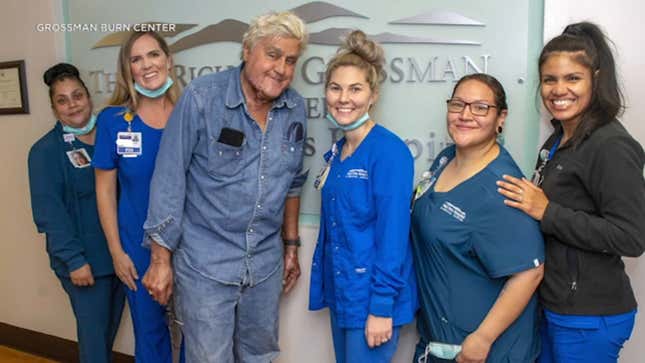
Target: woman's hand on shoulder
column 523, row 195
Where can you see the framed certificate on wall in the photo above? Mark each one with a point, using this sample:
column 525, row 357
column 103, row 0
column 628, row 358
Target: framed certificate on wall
column 13, row 88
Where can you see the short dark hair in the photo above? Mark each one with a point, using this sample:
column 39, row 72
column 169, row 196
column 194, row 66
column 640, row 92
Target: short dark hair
column 492, row 83
column 591, row 49
column 60, row 72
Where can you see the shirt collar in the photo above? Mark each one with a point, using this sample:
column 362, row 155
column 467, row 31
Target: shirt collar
column 235, row 97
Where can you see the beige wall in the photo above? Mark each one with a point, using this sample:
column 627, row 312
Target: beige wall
column 32, row 297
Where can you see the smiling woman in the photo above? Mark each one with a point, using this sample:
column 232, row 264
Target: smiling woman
column 362, row 267
column 64, row 208
column 589, row 197
column 128, row 139
column 477, row 304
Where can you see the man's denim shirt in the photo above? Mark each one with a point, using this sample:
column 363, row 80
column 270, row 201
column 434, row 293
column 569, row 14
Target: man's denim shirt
column 217, row 206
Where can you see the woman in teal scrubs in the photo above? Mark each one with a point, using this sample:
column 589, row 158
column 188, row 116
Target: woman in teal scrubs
column 64, row 208
column 478, row 261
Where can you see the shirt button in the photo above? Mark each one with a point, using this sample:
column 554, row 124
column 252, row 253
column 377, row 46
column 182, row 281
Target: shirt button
column 264, row 147
column 333, row 224
column 262, row 177
column 337, row 272
column 292, row 149
column 220, row 153
column 444, row 320
column 259, row 206
column 250, row 230
column 237, row 153
column 336, row 248
column 248, row 255
column 333, row 199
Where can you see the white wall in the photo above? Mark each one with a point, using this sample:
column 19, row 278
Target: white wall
column 623, row 23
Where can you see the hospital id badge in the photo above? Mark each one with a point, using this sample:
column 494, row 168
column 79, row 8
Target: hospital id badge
column 129, row 144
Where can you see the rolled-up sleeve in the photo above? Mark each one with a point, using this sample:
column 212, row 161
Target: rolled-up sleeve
column 168, row 186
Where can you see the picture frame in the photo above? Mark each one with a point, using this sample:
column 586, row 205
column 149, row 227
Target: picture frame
column 13, row 88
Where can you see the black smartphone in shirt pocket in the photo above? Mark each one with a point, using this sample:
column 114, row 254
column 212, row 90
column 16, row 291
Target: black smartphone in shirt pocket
column 231, row 137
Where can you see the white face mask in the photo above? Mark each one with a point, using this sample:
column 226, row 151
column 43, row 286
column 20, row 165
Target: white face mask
column 440, row 350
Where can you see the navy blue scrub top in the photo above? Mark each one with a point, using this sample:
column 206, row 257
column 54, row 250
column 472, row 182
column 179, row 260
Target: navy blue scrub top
column 467, row 243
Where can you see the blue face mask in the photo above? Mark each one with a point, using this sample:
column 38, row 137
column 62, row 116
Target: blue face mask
column 353, row 126
column 440, row 350
column 83, row 130
column 156, row 93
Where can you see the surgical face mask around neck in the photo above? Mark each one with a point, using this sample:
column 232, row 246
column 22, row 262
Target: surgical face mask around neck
column 440, row 350
column 156, row 93
column 353, row 126
column 83, row 130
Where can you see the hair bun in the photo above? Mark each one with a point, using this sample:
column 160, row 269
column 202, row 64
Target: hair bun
column 358, row 43
column 59, row 70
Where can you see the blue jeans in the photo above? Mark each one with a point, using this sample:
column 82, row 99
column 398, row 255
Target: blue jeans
column 584, row 338
column 98, row 311
column 350, row 345
column 227, row 323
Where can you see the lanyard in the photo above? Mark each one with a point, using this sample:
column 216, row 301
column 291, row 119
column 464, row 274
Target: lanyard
column 538, row 177
column 554, row 147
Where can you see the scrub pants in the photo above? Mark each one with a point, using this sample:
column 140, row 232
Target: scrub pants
column 584, row 338
column 98, row 310
column 350, row 345
column 227, row 323
column 152, row 343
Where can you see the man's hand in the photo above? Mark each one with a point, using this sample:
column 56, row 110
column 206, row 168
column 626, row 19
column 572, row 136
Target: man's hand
column 291, row 268
column 82, row 276
column 158, row 278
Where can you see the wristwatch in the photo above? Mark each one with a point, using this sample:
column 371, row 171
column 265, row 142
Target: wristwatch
column 292, row 242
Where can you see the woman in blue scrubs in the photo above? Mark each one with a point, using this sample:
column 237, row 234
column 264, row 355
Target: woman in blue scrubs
column 478, row 261
column 64, row 208
column 127, row 141
column 589, row 198
column 362, row 266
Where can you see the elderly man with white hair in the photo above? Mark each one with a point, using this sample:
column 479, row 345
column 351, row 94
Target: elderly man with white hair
column 223, row 216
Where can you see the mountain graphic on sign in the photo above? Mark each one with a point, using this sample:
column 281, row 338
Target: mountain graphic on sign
column 319, row 10
column 117, row 38
column 439, row 17
column 231, row 30
column 334, row 36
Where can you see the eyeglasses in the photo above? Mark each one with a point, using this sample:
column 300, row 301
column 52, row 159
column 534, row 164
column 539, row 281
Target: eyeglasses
column 476, row 108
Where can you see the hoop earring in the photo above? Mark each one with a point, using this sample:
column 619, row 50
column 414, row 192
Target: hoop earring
column 499, row 129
